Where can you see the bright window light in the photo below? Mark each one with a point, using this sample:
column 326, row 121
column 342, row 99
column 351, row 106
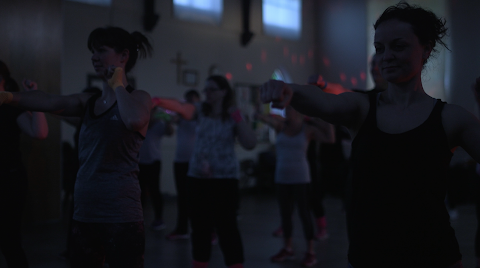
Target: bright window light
column 282, row 18
column 94, row 2
column 207, row 11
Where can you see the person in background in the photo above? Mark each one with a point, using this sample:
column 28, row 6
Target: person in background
column 13, row 176
column 292, row 176
column 150, row 163
column 183, row 153
column 213, row 170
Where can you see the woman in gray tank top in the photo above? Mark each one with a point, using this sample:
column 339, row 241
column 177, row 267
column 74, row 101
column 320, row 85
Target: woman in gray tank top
column 292, row 177
column 108, row 219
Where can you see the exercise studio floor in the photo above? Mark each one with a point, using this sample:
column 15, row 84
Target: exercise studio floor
column 258, row 218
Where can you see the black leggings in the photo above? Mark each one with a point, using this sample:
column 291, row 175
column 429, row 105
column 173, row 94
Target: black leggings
column 13, row 191
column 180, row 171
column 149, row 179
column 213, row 205
column 122, row 245
column 288, row 195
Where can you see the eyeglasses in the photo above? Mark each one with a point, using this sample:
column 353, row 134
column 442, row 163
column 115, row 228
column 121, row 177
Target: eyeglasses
column 211, row 89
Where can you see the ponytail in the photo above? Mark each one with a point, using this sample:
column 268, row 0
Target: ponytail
column 119, row 39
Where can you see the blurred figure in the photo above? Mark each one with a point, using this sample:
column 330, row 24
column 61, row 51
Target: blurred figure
column 13, row 176
column 183, row 153
column 213, row 170
column 292, row 177
column 150, row 163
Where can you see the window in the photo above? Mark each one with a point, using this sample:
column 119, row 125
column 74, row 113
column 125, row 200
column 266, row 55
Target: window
column 207, row 11
column 282, row 18
column 95, row 2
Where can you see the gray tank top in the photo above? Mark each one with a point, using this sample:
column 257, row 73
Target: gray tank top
column 107, row 188
column 292, row 165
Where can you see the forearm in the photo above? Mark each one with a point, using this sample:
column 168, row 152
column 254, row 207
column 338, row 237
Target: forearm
column 269, row 120
column 310, row 100
column 186, row 110
column 39, row 125
column 37, row 101
column 135, row 113
column 246, row 136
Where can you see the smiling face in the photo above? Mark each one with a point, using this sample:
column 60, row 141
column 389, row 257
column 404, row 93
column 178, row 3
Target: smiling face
column 104, row 56
column 399, row 52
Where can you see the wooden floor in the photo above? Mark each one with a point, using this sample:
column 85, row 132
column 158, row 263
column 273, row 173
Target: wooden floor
column 258, row 218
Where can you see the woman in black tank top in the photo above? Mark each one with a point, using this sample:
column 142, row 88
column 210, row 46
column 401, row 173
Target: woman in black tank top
column 403, row 141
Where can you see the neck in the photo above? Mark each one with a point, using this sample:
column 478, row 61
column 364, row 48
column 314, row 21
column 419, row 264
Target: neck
column 405, row 93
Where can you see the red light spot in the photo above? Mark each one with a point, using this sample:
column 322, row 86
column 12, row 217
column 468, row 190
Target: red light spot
column 228, row 76
column 278, row 39
column 310, row 53
column 354, row 81
column 285, row 51
column 302, row 59
column 343, row 77
column 363, row 76
column 294, row 58
column 264, row 56
column 249, row 66
column 326, row 61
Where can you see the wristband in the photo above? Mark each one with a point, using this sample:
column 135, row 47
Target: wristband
column 324, row 86
column 117, row 79
column 5, row 97
column 237, row 116
column 156, row 101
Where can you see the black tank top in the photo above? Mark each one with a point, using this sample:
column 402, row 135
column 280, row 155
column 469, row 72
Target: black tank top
column 396, row 211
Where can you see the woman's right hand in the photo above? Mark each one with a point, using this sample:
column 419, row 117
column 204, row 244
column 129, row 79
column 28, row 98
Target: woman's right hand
column 276, row 92
column 5, row 97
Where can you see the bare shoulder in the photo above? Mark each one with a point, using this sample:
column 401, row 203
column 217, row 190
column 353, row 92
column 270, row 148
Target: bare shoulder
column 359, row 104
column 455, row 116
column 457, row 121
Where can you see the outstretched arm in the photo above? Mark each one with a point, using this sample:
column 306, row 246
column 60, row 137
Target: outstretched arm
column 348, row 109
column 186, row 110
column 321, row 130
column 34, row 124
column 274, row 122
column 36, row 100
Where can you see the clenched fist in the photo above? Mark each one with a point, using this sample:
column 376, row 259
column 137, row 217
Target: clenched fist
column 5, row 97
column 116, row 77
column 276, row 92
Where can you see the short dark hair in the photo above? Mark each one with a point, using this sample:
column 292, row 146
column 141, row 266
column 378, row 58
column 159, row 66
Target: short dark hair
column 119, row 39
column 190, row 94
column 429, row 28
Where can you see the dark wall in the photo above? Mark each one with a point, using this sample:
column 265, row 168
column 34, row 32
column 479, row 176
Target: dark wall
column 342, row 42
column 31, row 47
